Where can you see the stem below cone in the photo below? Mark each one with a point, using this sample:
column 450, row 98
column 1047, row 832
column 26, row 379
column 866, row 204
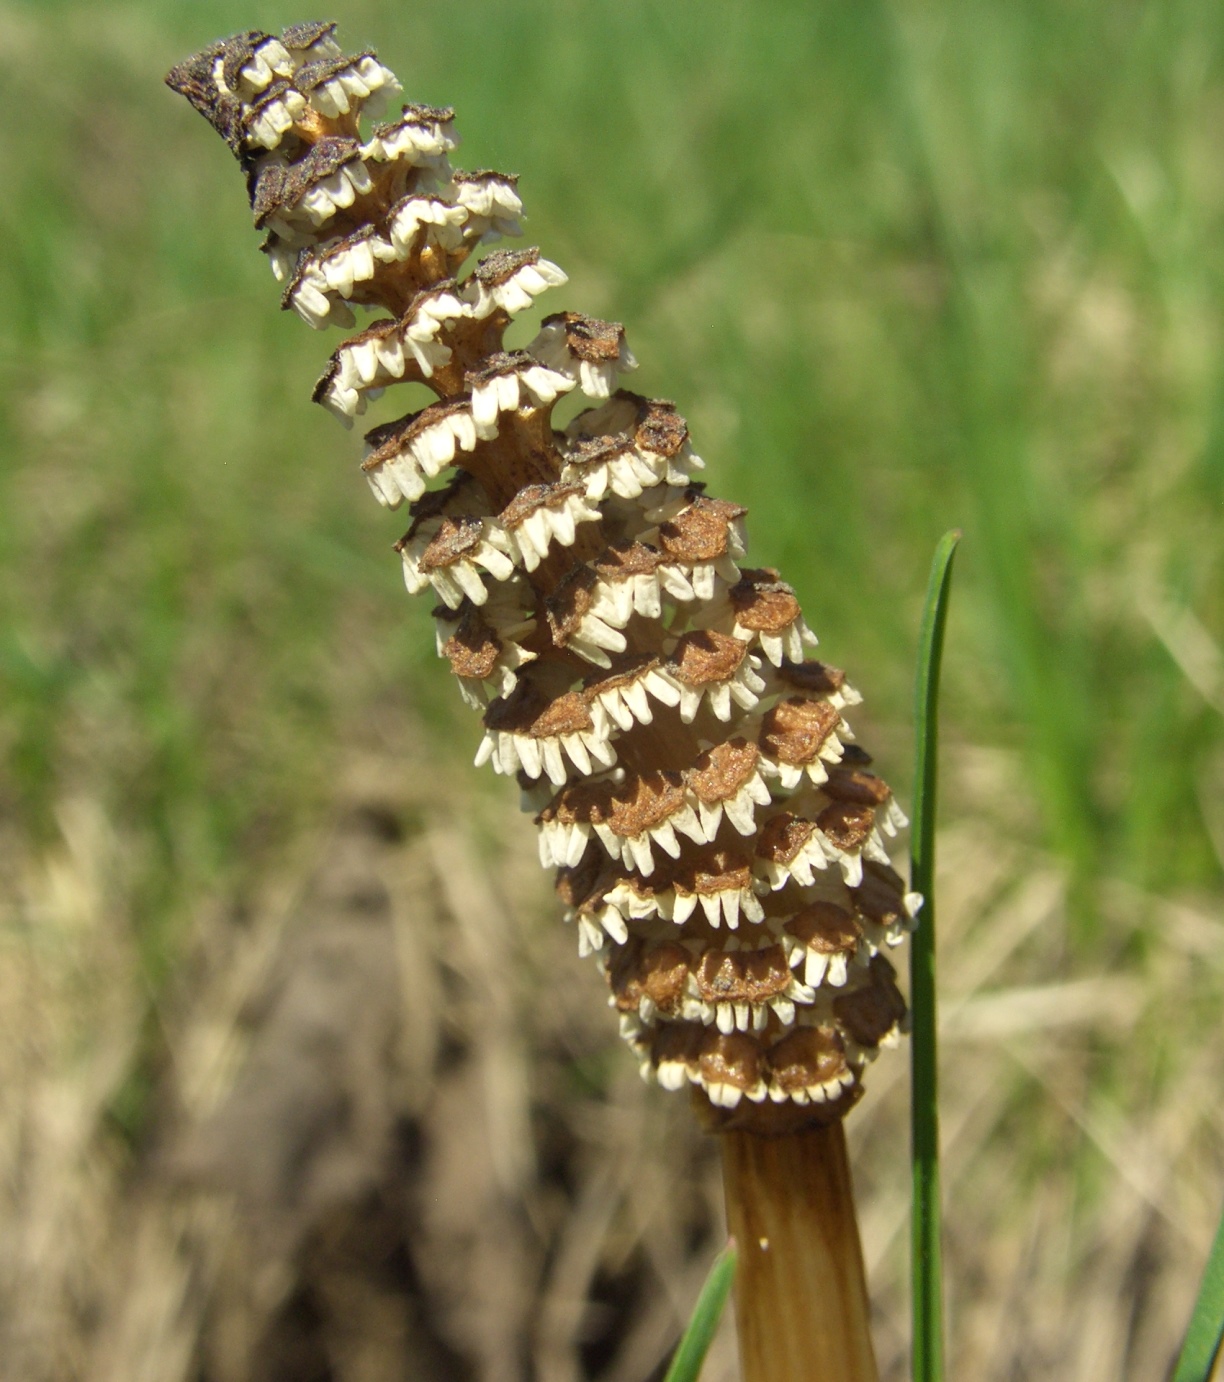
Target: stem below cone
column 800, row 1291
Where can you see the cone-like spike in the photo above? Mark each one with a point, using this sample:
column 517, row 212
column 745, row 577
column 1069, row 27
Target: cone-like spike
column 716, row 834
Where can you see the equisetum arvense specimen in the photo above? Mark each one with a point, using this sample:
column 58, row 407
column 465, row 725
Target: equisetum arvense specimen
column 717, row 837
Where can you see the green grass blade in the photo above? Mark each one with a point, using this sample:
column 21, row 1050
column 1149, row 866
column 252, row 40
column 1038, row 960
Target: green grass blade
column 1207, row 1322
column 926, row 1269
column 691, row 1350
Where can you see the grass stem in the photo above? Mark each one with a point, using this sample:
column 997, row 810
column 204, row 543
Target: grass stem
column 1206, row 1331
column 699, row 1334
column 927, row 1274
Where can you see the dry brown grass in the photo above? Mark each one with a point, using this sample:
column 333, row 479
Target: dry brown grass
column 395, row 1138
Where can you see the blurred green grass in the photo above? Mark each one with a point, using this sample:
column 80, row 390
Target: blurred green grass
column 903, row 266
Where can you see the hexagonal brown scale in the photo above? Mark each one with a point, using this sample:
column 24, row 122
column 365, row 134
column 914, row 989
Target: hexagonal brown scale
column 807, row 1057
column 531, row 498
column 658, row 972
column 721, row 772
column 454, row 538
column 376, row 331
column 581, row 803
column 495, row 365
column 588, row 452
column 734, row 1059
column 629, row 808
column 185, row 76
column 280, row 189
column 567, row 606
column 474, row 647
column 475, row 176
column 442, row 288
column 299, row 37
column 816, row 678
column 426, row 117
column 620, row 690
column 390, row 439
column 845, row 825
column 826, row 928
column 253, row 110
column 588, row 338
column 762, row 602
column 528, row 710
column 743, row 976
column 795, row 730
column 783, row 836
column 620, row 560
column 677, row 1041
column 880, row 896
column 501, row 266
column 238, row 51
column 313, row 74
column 644, row 801
column 852, row 785
column 624, row 671
column 699, row 533
column 660, row 428
column 704, row 657
column 871, row 1012
column 648, row 424
column 195, row 78
column 438, row 207
column 713, row 871
column 314, row 255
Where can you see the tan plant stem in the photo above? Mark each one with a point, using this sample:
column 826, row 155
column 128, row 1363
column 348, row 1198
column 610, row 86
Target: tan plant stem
column 800, row 1289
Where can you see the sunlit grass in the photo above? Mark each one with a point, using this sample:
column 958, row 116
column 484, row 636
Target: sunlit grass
column 926, row 1272
column 900, row 268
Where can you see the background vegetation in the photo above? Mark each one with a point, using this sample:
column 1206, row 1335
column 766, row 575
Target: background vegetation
column 904, row 266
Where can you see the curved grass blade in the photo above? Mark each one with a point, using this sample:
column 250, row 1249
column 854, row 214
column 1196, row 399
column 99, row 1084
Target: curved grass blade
column 926, row 1268
column 1207, row 1322
column 691, row 1350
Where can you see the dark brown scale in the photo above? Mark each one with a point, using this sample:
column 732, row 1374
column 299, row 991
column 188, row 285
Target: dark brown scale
column 816, row 678
column 826, row 928
column 743, row 976
column 870, row 1013
column 587, row 338
column 762, row 602
column 701, row 532
column 856, row 787
column 474, row 648
column 794, row 731
column 713, row 871
column 846, row 826
column 722, row 771
column 704, row 658
column 735, row 1060
column 783, row 836
column 659, row 973
column 811, row 1056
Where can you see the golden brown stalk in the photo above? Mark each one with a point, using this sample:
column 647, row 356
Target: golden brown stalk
column 800, row 1292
